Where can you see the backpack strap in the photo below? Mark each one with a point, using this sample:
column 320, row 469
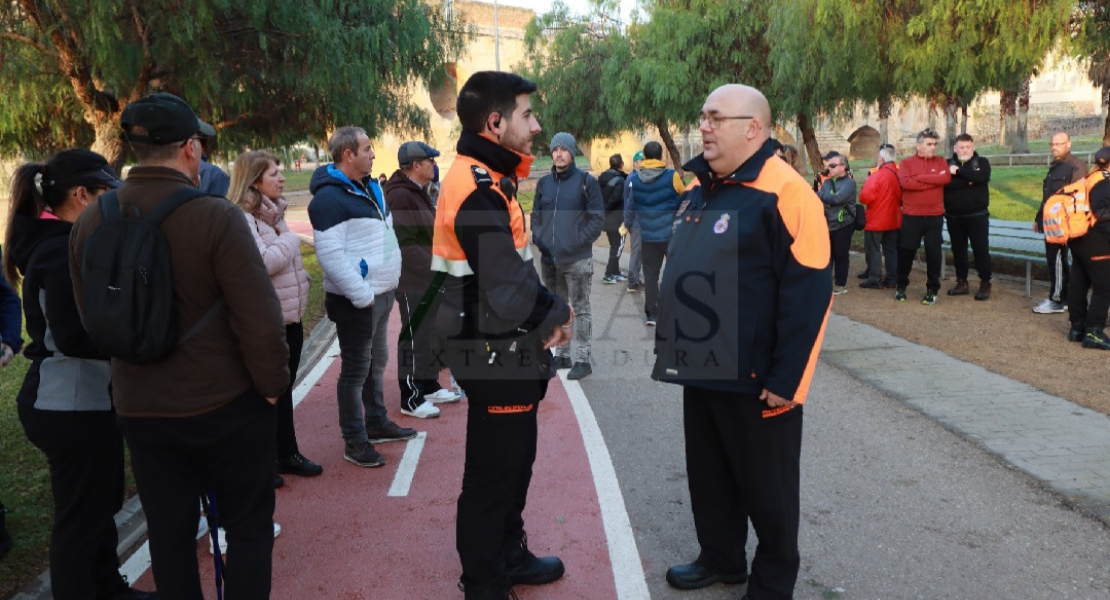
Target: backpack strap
column 195, row 329
column 109, row 206
column 163, row 209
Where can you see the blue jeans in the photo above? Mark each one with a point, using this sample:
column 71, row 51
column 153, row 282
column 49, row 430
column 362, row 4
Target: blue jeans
column 364, row 351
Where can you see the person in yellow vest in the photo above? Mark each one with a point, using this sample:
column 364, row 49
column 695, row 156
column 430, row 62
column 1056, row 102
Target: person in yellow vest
column 496, row 324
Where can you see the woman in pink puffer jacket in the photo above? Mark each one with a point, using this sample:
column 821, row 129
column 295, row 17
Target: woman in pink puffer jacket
column 256, row 186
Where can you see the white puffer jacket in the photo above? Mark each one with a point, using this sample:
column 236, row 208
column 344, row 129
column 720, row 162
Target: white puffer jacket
column 281, row 252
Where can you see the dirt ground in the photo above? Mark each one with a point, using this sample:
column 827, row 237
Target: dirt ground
column 1001, row 334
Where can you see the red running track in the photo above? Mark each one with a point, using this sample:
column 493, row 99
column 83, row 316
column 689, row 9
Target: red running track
column 344, row 538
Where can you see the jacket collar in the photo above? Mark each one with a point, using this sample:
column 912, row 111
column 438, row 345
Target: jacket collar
column 494, row 155
column 746, row 172
column 565, row 174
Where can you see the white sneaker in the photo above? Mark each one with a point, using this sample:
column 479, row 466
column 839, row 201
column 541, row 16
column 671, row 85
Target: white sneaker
column 443, row 396
column 426, row 410
column 223, row 540
column 456, row 389
column 202, row 527
column 1049, row 307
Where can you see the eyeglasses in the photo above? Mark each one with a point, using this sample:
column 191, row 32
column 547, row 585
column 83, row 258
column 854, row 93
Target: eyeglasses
column 200, row 138
column 714, row 121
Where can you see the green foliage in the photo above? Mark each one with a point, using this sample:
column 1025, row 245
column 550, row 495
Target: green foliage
column 266, row 72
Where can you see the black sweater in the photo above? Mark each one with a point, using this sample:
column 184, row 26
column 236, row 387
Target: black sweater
column 968, row 193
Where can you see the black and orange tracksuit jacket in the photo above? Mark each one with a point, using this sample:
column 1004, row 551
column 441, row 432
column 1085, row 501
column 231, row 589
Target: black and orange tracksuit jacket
column 747, row 289
column 491, row 288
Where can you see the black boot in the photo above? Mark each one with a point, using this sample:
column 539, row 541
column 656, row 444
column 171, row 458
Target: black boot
column 524, row 567
column 1095, row 338
column 1076, row 333
column 497, row 589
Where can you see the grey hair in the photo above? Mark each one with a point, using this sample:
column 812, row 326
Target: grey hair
column 927, row 133
column 887, row 153
column 344, row 138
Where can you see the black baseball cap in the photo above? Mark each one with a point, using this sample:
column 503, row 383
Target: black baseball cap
column 410, row 152
column 79, row 167
column 165, row 117
column 1102, row 157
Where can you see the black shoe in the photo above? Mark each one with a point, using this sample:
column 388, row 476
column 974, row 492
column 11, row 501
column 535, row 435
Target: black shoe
column 363, row 454
column 390, row 432
column 1076, row 333
column 299, row 465
column 871, row 285
column 278, row 481
column 580, row 370
column 521, row 566
column 497, row 589
column 561, row 362
column 132, row 594
column 1095, row 338
column 863, row 275
column 692, row 576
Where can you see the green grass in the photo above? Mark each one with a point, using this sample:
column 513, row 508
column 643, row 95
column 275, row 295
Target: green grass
column 315, row 310
column 1082, row 143
column 297, row 182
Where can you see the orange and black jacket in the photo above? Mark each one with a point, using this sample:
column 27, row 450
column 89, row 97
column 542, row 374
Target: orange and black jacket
column 481, row 246
column 747, row 288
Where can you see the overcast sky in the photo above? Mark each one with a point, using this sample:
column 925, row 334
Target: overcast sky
column 576, row 6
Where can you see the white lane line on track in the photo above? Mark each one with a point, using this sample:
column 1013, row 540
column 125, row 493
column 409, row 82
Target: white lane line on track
column 137, row 564
column 316, row 373
column 628, row 570
column 402, row 481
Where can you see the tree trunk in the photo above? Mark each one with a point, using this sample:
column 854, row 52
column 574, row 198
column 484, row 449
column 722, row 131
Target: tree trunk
column 109, row 142
column 963, row 118
column 884, row 120
column 951, row 122
column 809, row 140
column 1106, row 130
column 668, row 142
column 1021, row 132
column 1007, row 118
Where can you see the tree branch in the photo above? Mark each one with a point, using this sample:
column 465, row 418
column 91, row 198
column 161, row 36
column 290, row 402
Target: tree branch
column 26, row 40
column 145, row 71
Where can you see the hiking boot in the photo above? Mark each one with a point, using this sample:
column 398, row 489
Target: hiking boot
column 498, row 589
column 521, row 566
column 298, row 465
column 1049, row 307
column 961, row 289
column 580, row 370
column 840, row 289
column 363, row 454
column 871, row 285
column 426, row 410
column 561, row 362
column 1095, row 338
column 900, row 295
column 984, row 292
column 390, row 432
column 930, row 298
column 1076, row 333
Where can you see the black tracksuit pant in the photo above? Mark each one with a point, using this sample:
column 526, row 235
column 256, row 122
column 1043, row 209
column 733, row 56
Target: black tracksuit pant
column 743, row 466
column 915, row 228
column 1056, row 255
column 417, row 364
column 840, row 242
column 500, row 451
column 616, row 246
column 230, row 449
column 1090, row 268
column 85, row 453
column 286, row 433
column 974, row 229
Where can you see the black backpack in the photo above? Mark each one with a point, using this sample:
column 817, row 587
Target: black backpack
column 128, row 282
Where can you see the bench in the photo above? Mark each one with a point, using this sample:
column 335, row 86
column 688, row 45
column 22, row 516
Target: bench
column 1009, row 239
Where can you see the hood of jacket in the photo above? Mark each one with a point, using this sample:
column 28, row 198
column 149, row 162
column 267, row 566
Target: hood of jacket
column 652, row 169
column 330, row 175
column 29, row 232
column 608, row 174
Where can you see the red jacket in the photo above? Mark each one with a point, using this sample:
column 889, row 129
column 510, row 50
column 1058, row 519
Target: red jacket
column 882, row 194
column 923, row 182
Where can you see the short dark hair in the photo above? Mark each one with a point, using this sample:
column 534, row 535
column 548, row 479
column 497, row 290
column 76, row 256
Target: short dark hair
column 653, row 150
column 775, row 145
column 927, row 134
column 616, row 161
column 488, row 92
column 964, row 137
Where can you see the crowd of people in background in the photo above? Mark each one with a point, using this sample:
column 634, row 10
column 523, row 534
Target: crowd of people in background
column 455, row 258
